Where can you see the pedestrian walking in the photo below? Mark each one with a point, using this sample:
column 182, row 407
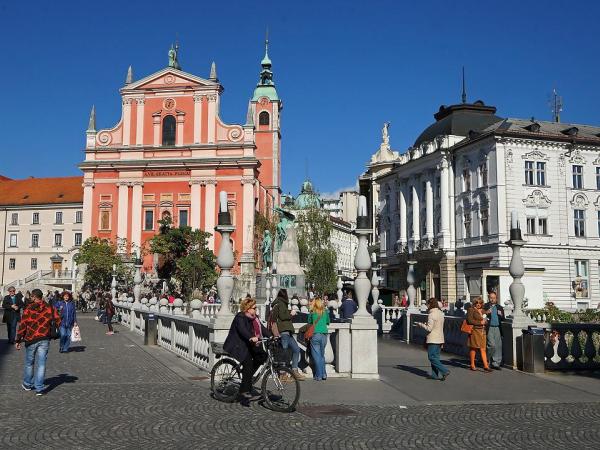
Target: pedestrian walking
column 12, row 305
column 349, row 307
column 35, row 331
column 435, row 339
column 242, row 343
column 495, row 312
column 477, row 339
column 68, row 319
column 109, row 312
column 320, row 319
column 281, row 325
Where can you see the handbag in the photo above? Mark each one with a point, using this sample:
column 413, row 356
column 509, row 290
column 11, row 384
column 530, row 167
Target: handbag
column 308, row 334
column 54, row 331
column 465, row 327
column 76, row 334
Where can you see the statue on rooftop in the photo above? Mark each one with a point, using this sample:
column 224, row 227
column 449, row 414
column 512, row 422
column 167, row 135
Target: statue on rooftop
column 173, row 57
column 385, row 135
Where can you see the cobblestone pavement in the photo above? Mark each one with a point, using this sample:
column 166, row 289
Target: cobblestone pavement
column 113, row 393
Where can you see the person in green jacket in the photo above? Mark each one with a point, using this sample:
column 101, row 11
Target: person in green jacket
column 282, row 326
column 320, row 318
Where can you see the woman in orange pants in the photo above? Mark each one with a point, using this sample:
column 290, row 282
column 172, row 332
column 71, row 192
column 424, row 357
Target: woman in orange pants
column 477, row 339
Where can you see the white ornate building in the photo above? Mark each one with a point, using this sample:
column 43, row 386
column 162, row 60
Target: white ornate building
column 450, row 197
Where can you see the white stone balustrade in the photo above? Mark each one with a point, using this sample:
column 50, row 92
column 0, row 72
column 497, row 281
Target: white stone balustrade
column 389, row 314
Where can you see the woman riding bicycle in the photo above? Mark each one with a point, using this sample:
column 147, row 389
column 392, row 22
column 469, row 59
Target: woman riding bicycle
column 242, row 343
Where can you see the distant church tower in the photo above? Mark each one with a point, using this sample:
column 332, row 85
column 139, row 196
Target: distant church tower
column 264, row 111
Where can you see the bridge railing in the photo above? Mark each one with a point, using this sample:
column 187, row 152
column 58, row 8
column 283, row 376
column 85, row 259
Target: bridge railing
column 191, row 338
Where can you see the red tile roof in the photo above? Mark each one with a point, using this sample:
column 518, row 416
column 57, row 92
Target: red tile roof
column 3, row 178
column 41, row 191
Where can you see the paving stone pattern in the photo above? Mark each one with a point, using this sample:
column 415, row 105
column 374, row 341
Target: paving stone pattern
column 114, row 394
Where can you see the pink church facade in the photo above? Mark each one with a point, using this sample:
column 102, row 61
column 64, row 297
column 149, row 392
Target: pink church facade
column 170, row 153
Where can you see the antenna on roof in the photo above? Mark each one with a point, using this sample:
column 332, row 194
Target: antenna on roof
column 556, row 106
column 464, row 91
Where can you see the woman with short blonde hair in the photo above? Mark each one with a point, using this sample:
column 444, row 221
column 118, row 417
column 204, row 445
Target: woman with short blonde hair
column 319, row 317
column 247, row 304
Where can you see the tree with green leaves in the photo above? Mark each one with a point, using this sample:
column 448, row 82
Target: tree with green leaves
column 317, row 254
column 184, row 257
column 99, row 255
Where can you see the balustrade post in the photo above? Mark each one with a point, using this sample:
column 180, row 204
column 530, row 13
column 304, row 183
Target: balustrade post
column 196, row 304
column 364, row 327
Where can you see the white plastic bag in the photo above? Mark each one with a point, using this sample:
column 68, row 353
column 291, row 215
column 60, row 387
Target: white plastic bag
column 76, row 334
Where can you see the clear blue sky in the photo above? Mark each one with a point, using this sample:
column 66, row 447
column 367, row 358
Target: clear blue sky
column 342, row 68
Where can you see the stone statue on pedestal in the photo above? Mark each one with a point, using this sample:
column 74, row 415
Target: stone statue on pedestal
column 286, row 220
column 266, row 248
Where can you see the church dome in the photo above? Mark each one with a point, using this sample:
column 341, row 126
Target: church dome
column 458, row 120
column 307, row 198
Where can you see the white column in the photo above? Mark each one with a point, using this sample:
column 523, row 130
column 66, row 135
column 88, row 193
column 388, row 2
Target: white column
column 444, row 201
column 212, row 118
column 197, row 118
column 88, row 199
column 415, row 214
column 195, row 204
column 248, row 226
column 136, row 214
column 179, row 135
column 126, row 120
column 209, row 212
column 429, row 209
column 139, row 133
column 402, row 196
column 122, row 211
column 452, row 206
column 156, row 129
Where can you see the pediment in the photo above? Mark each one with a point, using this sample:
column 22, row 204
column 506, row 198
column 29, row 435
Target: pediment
column 168, row 78
column 537, row 199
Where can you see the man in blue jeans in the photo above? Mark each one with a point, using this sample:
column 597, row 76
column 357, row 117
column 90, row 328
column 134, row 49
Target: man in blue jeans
column 34, row 330
column 68, row 319
column 281, row 325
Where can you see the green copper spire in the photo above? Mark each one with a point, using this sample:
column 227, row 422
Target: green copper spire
column 266, row 85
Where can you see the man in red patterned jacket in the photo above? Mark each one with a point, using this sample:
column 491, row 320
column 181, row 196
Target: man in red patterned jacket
column 34, row 330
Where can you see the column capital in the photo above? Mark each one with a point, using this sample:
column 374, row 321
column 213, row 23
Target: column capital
column 197, row 182
column 248, row 180
column 137, row 183
column 140, row 100
column 127, row 101
column 207, row 182
column 198, row 98
column 122, row 183
column 212, row 98
column 87, row 184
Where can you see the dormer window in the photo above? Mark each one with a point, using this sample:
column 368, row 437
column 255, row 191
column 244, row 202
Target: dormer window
column 534, row 127
column 571, row 131
column 263, row 118
column 168, row 131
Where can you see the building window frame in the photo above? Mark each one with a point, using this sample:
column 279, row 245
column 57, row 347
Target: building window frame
column 579, row 222
column 577, row 172
column 598, row 178
column 35, row 218
column 12, row 264
column 58, row 240
column 148, row 219
column 186, row 222
column 484, row 219
column 14, row 219
column 34, row 263
column 466, row 176
column 58, row 218
column 264, row 118
column 529, row 173
column 13, row 240
column 540, row 173
column 467, row 224
column 78, row 239
column 78, row 216
column 582, row 272
column 35, row 240
column 169, row 130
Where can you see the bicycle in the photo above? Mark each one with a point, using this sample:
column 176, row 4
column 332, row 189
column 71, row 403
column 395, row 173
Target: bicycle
column 280, row 389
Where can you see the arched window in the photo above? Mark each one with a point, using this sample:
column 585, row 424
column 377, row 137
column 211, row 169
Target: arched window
column 168, row 131
column 263, row 118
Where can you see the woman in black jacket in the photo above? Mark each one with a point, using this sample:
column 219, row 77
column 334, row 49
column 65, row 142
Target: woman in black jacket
column 242, row 343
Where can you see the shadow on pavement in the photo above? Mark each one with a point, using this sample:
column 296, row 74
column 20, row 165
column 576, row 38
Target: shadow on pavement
column 413, row 370
column 78, row 349
column 57, row 380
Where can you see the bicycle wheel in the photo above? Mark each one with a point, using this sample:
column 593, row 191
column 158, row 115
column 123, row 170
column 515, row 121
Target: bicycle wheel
column 280, row 389
column 225, row 380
